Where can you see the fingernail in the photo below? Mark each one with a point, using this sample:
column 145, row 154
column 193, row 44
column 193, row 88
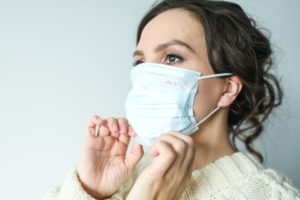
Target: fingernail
column 115, row 127
column 123, row 130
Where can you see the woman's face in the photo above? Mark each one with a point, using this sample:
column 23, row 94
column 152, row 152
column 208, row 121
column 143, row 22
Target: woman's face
column 176, row 37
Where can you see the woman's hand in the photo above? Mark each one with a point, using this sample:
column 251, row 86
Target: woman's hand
column 103, row 166
column 170, row 172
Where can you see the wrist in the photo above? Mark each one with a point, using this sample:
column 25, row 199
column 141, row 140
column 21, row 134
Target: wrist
column 143, row 191
column 92, row 192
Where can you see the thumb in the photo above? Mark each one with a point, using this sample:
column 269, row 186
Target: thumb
column 134, row 156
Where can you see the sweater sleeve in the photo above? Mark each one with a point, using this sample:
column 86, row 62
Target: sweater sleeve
column 71, row 189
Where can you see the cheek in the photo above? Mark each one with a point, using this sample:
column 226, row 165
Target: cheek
column 207, row 97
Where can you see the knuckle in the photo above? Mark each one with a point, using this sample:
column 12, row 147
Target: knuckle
column 111, row 120
column 171, row 155
column 122, row 121
column 181, row 146
column 103, row 130
column 190, row 141
column 159, row 143
column 163, row 136
column 177, row 134
column 94, row 117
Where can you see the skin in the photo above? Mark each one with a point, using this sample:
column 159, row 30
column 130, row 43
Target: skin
column 103, row 167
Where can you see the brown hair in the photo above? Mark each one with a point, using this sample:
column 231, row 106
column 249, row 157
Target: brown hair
column 236, row 45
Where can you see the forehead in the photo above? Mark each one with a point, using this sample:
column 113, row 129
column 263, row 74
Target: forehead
column 176, row 24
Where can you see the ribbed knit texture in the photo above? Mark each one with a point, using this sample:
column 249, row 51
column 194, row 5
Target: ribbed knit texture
column 238, row 176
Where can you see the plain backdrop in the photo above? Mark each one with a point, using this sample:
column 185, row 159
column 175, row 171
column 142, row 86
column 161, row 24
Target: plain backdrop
column 62, row 61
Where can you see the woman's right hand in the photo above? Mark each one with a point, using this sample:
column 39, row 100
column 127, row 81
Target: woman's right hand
column 103, row 165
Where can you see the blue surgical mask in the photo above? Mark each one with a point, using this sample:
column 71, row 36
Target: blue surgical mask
column 162, row 99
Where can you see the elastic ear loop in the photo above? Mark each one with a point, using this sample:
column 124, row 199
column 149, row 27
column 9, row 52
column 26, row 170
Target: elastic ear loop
column 217, row 108
column 208, row 116
column 214, row 75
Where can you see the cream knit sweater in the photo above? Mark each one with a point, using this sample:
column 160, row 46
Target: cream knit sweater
column 238, row 176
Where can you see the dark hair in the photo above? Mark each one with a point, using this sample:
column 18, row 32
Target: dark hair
column 236, row 45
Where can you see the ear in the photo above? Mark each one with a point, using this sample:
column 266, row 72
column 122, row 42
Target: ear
column 232, row 89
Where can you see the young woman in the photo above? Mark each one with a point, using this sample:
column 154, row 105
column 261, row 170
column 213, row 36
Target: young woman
column 201, row 79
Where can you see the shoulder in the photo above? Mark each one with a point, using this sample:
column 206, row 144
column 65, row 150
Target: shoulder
column 274, row 183
column 267, row 184
column 240, row 176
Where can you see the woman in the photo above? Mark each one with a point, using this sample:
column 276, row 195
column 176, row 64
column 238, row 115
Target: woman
column 201, row 79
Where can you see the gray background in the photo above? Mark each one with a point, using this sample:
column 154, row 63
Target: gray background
column 62, row 61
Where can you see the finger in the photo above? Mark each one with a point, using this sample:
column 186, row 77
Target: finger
column 131, row 132
column 165, row 157
column 124, row 139
column 104, row 131
column 113, row 126
column 134, row 156
column 101, row 129
column 190, row 151
column 92, row 123
column 188, row 139
column 177, row 144
column 123, row 126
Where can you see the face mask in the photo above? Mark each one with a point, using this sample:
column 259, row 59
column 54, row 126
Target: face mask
column 161, row 100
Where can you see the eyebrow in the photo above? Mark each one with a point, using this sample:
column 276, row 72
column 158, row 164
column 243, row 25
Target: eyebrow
column 166, row 45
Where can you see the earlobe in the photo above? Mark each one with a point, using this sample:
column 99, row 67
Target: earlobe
column 232, row 90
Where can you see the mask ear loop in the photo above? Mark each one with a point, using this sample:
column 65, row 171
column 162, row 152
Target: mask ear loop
column 214, row 75
column 217, row 108
column 205, row 118
column 208, row 116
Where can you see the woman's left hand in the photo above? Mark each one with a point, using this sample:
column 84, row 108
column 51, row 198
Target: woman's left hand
column 170, row 172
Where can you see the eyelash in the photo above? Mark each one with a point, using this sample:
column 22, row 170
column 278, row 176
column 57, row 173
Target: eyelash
column 176, row 57
column 135, row 63
column 181, row 59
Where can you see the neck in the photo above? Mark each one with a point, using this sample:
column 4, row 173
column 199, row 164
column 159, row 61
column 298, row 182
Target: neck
column 211, row 140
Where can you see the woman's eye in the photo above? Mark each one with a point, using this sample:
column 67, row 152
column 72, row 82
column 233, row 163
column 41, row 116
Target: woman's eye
column 172, row 58
column 137, row 62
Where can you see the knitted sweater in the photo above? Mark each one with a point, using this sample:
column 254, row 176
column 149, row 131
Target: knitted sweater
column 238, row 176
